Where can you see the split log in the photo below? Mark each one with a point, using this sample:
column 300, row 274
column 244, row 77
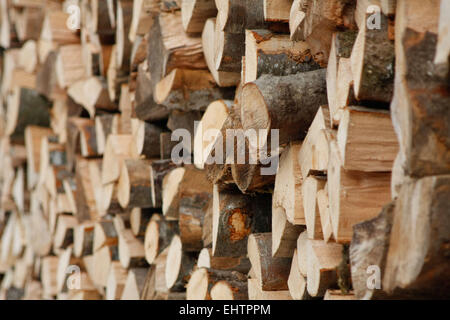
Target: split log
column 105, row 234
column 145, row 138
column 184, row 120
column 186, row 90
column 366, row 140
column 207, row 260
column 105, row 125
column 296, row 281
column 411, row 267
column 287, row 197
column 69, row 66
column 158, row 170
column 25, row 107
column 134, row 284
column 84, row 196
column 83, row 239
column 64, row 231
column 351, row 192
column 277, row 11
column 415, row 84
column 134, row 184
column 208, row 130
column 124, row 14
column 324, row 213
column 230, row 290
column 192, row 210
column 131, row 250
column 256, row 293
column 158, row 236
column 103, row 258
column 235, row 217
column 33, row 136
column 339, row 76
column 228, row 50
column 369, row 247
column 172, row 47
column 272, row 273
column 322, row 261
column 202, row 280
column 139, row 219
column 313, row 153
column 275, row 54
column 117, row 278
column 372, row 62
column 186, row 181
column 194, row 14
column 284, row 234
column 237, row 16
column 179, row 265
column 116, row 150
column 222, row 78
column 54, row 28
column 285, row 104
column 310, row 187
column 92, row 94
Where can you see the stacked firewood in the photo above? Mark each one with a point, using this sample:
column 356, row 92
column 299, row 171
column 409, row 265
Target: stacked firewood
column 227, row 149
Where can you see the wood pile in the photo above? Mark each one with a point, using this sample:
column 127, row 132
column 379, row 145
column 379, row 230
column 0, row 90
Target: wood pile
column 113, row 186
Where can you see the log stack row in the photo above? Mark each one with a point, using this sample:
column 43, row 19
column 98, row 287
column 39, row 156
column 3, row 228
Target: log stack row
column 201, row 149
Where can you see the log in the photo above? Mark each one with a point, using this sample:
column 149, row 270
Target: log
column 285, row 105
column 275, row 54
column 228, row 50
column 202, row 280
column 134, row 188
column 146, row 139
column 158, row 170
column 25, row 107
column 139, row 219
column 158, row 235
column 192, row 211
column 256, row 293
column 235, row 217
column 272, row 273
column 230, row 290
column 178, row 266
column 186, row 181
column 222, row 78
column 369, row 247
column 105, row 125
column 208, row 130
column 237, row 16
